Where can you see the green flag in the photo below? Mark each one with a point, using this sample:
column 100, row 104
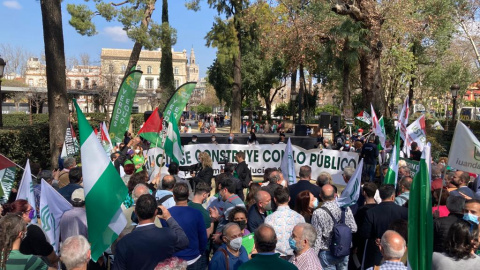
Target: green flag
column 392, row 173
column 420, row 220
column 104, row 190
column 178, row 101
column 123, row 106
column 173, row 144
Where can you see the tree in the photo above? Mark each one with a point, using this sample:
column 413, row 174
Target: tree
column 231, row 9
column 281, row 110
column 16, row 57
column 56, row 77
column 220, row 76
column 135, row 16
column 167, row 80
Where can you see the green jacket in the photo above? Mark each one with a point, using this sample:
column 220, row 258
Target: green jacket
column 264, row 261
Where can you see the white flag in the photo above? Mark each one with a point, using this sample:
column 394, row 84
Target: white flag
column 416, row 133
column 288, row 166
column 25, row 190
column 364, row 117
column 351, row 192
column 377, row 127
column 465, row 150
column 52, row 207
column 437, row 126
column 403, row 119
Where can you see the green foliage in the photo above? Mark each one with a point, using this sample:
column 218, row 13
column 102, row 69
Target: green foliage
column 202, row 109
column 282, row 110
column 334, row 110
column 220, row 76
column 168, row 36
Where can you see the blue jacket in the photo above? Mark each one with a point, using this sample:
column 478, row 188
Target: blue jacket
column 218, row 261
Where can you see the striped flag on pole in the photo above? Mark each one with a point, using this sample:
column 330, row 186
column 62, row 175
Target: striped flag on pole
column 104, row 190
column 25, row 190
column 173, row 145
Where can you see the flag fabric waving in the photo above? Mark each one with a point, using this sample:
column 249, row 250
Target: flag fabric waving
column 52, row 207
column 287, row 165
column 465, row 150
column 5, row 162
column 403, row 119
column 104, row 190
column 377, row 127
column 364, row 117
column 420, row 220
column 392, row 173
column 25, row 190
column 178, row 101
column 173, row 145
column 106, row 142
column 351, row 192
column 150, row 131
column 7, row 177
column 416, row 132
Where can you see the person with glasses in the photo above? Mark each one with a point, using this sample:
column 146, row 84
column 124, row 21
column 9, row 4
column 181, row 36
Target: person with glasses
column 14, row 232
column 35, row 243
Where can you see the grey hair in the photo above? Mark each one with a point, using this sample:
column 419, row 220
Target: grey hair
column 258, row 195
column 273, row 177
column 74, row 251
column 348, row 172
column 455, row 204
column 388, row 251
column 227, row 226
column 309, row 233
column 142, row 189
column 436, row 171
column 405, row 168
column 46, row 175
column 68, row 162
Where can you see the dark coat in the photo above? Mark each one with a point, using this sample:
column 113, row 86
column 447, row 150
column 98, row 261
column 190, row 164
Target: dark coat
column 244, row 174
column 440, row 230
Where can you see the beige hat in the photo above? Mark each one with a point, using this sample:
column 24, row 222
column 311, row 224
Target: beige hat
column 78, row 195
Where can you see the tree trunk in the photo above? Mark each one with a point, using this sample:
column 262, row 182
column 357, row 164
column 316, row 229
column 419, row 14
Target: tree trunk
column 237, row 80
column 167, row 79
column 347, row 99
column 268, row 106
column 301, row 94
column 56, row 77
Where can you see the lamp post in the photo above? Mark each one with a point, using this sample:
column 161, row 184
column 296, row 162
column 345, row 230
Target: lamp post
column 283, row 95
column 86, row 88
column 2, row 69
column 475, row 95
column 454, row 90
column 293, row 98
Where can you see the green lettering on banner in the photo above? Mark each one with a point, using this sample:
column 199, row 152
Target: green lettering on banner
column 333, row 163
column 313, row 159
column 276, row 156
column 413, row 165
column 265, row 158
column 327, row 162
column 123, row 106
column 255, row 157
column 301, row 158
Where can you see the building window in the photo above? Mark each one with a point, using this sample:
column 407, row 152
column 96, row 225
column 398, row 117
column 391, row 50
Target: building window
column 176, row 71
column 30, row 82
column 177, row 83
column 149, row 83
column 139, row 67
column 110, row 68
column 149, row 70
column 124, row 68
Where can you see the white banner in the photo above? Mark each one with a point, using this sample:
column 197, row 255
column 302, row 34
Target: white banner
column 351, row 192
column 465, row 150
column 260, row 157
column 416, row 133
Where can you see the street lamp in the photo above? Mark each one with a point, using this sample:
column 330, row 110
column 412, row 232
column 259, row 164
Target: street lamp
column 454, row 90
column 293, row 97
column 2, row 69
column 475, row 95
column 86, row 87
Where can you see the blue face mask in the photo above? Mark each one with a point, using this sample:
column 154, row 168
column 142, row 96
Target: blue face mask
column 315, row 204
column 230, row 138
column 470, row 218
column 292, row 243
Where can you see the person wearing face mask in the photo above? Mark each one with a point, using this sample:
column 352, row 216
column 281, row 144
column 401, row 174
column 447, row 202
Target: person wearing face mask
column 305, row 204
column 301, row 241
column 231, row 139
column 76, row 180
column 258, row 212
column 194, row 140
column 283, row 220
column 231, row 254
column 138, row 158
column 227, row 194
column 35, row 242
column 239, row 216
column 202, row 192
column 15, row 231
column 213, row 140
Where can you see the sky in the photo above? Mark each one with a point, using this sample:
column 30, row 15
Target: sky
column 22, row 26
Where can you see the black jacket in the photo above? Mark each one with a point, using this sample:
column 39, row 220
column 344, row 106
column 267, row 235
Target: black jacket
column 440, row 230
column 377, row 220
column 148, row 245
column 204, row 175
column 244, row 174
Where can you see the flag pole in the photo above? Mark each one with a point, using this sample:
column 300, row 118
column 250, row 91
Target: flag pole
column 441, row 191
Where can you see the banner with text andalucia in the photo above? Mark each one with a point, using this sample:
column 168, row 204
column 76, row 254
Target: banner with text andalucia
column 123, row 106
column 260, row 157
column 178, row 101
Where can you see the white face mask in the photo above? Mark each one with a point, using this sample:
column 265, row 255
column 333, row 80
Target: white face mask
column 137, row 151
column 236, row 243
column 194, row 140
column 213, row 139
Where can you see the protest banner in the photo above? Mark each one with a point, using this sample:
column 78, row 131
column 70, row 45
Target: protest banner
column 413, row 165
column 260, row 157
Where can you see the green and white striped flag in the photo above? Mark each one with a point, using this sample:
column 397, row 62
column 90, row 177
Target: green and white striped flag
column 392, row 173
column 104, row 190
column 173, row 144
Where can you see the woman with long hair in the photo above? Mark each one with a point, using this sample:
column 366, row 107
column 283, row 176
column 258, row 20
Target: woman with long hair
column 205, row 174
column 252, row 190
column 13, row 231
column 138, row 158
column 460, row 246
column 35, row 243
column 305, row 204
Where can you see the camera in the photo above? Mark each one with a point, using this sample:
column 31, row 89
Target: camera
column 160, row 212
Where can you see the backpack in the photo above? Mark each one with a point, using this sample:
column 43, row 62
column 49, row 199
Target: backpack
column 341, row 235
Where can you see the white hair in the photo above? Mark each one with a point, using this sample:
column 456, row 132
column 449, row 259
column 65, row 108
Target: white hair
column 348, row 172
column 139, row 190
column 389, row 252
column 308, row 233
column 74, row 251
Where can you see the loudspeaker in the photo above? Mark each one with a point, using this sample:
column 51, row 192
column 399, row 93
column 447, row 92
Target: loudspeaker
column 336, row 123
column 300, row 130
column 146, row 115
column 324, row 120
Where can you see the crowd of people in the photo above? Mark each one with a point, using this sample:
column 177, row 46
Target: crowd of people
column 230, row 221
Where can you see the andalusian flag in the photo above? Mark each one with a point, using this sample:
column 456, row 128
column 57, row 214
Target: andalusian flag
column 378, row 127
column 392, row 173
column 173, row 145
column 104, row 190
column 150, row 131
column 420, row 220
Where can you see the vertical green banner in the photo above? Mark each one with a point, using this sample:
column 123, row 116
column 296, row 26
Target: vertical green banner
column 178, row 101
column 123, row 106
